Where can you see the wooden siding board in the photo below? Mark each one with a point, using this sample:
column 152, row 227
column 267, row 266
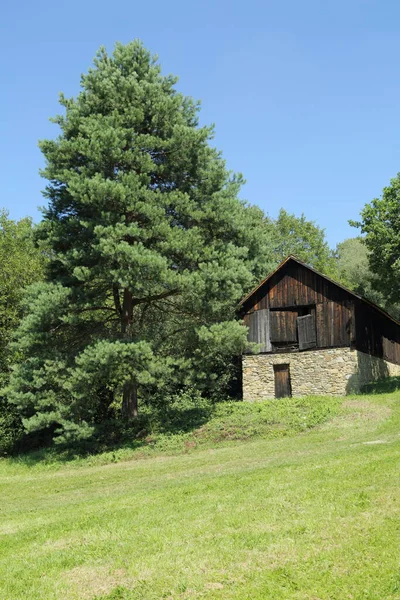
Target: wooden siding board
column 375, row 334
column 320, row 324
column 259, row 329
column 283, row 326
column 309, row 295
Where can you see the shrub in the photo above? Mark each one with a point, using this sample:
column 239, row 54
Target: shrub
column 11, row 429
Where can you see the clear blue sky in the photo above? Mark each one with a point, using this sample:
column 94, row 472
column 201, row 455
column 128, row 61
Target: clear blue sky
column 304, row 93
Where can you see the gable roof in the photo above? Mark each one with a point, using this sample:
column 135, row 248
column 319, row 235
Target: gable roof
column 339, row 285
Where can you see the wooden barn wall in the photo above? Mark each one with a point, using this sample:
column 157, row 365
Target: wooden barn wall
column 334, row 324
column 283, row 326
column 295, row 286
column 376, row 334
column 341, row 319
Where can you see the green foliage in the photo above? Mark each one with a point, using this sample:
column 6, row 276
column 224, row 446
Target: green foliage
column 353, row 266
column 354, row 272
column 303, row 239
column 11, row 428
column 21, row 263
column 380, row 222
column 177, row 414
column 151, row 250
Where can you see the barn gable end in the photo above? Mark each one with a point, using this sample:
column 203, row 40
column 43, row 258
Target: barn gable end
column 296, row 311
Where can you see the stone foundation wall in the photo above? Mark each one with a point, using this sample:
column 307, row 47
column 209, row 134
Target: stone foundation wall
column 333, row 371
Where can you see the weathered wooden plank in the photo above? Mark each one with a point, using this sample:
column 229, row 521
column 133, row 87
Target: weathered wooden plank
column 319, row 320
column 307, row 287
column 283, row 326
column 306, row 332
column 259, row 329
column 336, row 323
column 274, row 326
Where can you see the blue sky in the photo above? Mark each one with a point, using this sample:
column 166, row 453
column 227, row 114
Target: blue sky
column 304, row 94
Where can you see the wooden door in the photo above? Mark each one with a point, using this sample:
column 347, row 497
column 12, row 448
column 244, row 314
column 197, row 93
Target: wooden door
column 283, row 388
column 306, row 332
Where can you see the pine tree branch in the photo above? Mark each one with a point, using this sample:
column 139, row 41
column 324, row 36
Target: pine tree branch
column 89, row 308
column 155, row 297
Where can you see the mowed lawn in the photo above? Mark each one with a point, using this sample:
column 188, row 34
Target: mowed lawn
column 313, row 515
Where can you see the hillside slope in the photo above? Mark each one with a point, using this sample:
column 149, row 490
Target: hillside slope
column 310, row 515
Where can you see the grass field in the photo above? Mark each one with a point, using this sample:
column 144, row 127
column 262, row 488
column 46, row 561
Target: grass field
column 297, row 500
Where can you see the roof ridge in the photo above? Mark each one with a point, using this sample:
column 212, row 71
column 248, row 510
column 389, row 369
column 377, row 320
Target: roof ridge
column 293, row 257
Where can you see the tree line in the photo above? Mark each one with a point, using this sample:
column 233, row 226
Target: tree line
column 125, row 295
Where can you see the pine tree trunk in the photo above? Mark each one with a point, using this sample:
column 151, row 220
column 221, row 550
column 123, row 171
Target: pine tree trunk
column 127, row 314
column 129, row 400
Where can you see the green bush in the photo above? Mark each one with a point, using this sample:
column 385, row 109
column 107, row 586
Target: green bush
column 179, row 412
column 11, row 429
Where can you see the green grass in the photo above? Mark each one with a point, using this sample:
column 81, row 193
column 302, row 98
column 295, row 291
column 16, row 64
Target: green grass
column 293, row 499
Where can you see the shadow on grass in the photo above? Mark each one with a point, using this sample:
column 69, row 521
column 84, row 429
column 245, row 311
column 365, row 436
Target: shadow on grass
column 177, row 420
column 115, row 435
column 383, row 386
column 179, row 427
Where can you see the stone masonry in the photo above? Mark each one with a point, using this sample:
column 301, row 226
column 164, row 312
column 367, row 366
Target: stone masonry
column 333, row 371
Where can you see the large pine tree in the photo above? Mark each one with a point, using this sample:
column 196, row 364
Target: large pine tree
column 150, row 252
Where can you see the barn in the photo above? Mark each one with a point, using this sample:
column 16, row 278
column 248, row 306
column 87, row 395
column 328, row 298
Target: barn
column 314, row 336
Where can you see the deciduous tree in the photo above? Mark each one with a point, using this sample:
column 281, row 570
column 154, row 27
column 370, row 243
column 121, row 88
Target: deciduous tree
column 304, row 239
column 380, row 222
column 20, row 265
